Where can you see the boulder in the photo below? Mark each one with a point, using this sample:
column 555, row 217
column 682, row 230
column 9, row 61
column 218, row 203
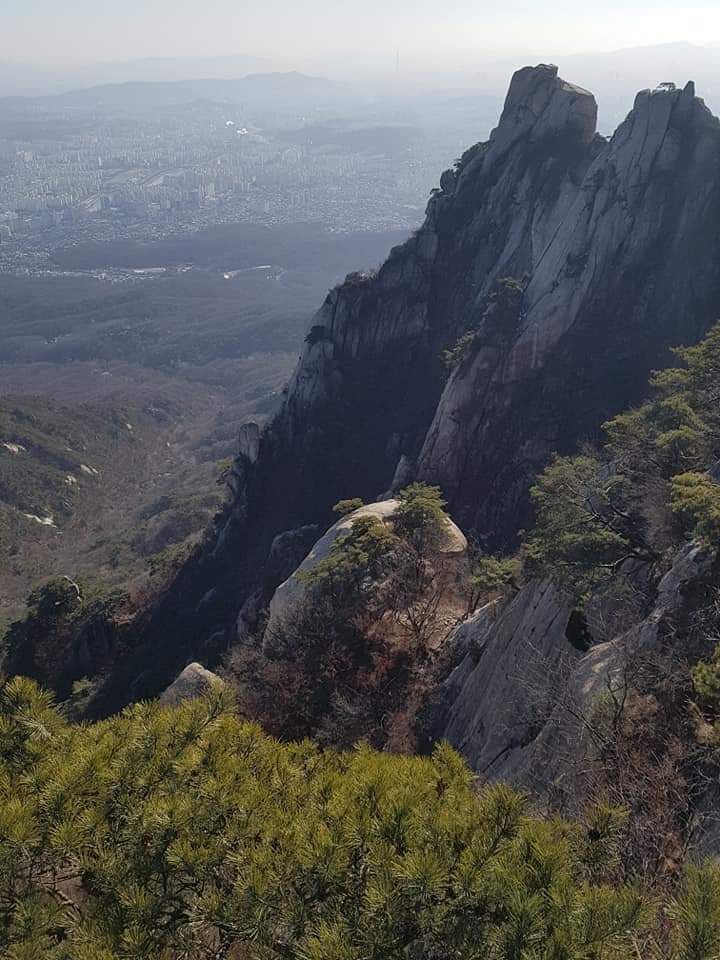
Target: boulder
column 194, row 681
column 291, row 592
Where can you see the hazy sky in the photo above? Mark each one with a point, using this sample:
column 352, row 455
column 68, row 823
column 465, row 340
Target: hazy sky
column 51, row 31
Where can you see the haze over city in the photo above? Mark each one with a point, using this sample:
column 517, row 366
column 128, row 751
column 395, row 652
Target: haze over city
column 42, row 31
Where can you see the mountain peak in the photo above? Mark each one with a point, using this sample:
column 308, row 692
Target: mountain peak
column 538, row 103
column 669, row 100
column 554, row 269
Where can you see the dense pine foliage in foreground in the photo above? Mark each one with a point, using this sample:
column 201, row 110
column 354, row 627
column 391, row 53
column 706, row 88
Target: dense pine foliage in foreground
column 186, row 833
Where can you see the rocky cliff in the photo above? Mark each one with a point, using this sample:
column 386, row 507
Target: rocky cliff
column 368, row 383
column 566, row 266
column 631, row 268
column 519, row 703
column 614, row 250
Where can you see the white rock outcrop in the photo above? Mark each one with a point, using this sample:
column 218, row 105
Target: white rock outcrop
column 289, row 595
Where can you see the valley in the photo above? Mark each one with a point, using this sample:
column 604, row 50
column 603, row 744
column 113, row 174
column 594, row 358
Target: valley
column 149, row 376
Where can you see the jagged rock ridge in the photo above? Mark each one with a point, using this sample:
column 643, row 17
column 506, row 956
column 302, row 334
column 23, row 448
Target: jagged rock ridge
column 370, row 378
column 616, row 245
column 613, row 250
column 631, row 270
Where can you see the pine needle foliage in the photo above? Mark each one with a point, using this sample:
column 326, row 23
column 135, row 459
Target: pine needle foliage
column 420, row 519
column 695, row 497
column 585, row 530
column 697, row 915
column 185, row 832
column 652, row 482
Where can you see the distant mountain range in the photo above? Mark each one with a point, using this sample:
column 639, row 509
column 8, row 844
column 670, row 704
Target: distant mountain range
column 29, row 79
column 168, row 81
column 257, row 89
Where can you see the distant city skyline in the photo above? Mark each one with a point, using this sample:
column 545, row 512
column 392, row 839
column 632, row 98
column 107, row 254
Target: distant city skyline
column 82, row 32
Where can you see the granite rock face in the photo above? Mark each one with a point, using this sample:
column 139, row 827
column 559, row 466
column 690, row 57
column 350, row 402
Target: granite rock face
column 631, row 270
column 506, row 686
column 572, row 263
column 514, row 705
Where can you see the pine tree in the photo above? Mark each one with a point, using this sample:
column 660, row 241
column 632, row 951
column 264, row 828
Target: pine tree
column 184, row 832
